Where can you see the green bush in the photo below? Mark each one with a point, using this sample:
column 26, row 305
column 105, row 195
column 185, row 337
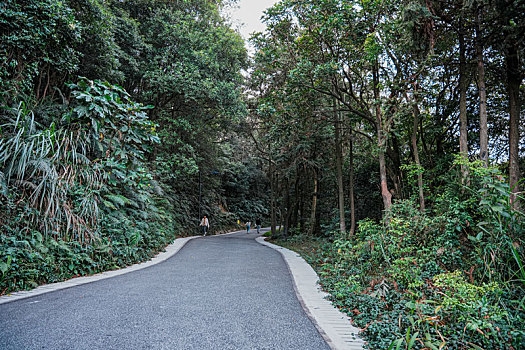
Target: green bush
column 31, row 259
column 450, row 277
column 77, row 198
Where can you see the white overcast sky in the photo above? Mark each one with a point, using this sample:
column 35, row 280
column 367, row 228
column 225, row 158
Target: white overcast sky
column 246, row 16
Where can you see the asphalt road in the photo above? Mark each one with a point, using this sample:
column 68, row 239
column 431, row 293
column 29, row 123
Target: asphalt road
column 224, row 292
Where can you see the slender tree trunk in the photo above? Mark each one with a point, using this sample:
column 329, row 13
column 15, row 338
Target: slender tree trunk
column 463, row 140
column 513, row 90
column 483, row 129
column 351, row 188
column 272, row 198
column 426, row 148
column 295, row 212
column 415, row 149
column 385, row 193
column 339, row 171
column 381, row 140
column 286, row 207
column 394, row 154
column 301, row 211
column 313, row 211
column 317, row 227
column 281, row 219
column 291, row 217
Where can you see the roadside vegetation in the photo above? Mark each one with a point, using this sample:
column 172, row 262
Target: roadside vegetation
column 393, row 141
column 118, row 125
column 449, row 278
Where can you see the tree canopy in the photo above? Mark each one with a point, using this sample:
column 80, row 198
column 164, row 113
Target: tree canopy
column 393, row 130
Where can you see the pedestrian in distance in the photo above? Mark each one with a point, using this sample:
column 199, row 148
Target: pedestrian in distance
column 258, row 224
column 205, row 225
column 248, row 224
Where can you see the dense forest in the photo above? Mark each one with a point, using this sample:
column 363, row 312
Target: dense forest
column 120, row 125
column 391, row 132
column 381, row 139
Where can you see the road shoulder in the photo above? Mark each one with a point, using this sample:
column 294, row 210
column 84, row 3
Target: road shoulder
column 171, row 250
column 334, row 326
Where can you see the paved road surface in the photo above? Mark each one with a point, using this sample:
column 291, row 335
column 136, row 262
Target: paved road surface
column 224, row 292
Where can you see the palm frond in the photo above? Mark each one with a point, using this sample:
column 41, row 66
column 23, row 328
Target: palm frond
column 48, row 163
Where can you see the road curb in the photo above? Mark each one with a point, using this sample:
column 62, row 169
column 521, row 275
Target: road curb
column 333, row 325
column 171, row 250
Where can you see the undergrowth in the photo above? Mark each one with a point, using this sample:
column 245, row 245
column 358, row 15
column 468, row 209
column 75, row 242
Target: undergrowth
column 30, row 258
column 450, row 278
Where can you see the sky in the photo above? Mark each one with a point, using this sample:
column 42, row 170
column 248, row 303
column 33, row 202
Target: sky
column 246, row 16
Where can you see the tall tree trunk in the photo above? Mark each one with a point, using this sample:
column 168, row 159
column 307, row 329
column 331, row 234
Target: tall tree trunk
column 381, row 140
column 463, row 130
column 394, row 154
column 313, row 211
column 513, row 90
column 272, row 198
column 286, row 207
column 301, row 211
column 483, row 129
column 351, row 188
column 426, row 147
column 415, row 149
column 339, row 170
column 294, row 218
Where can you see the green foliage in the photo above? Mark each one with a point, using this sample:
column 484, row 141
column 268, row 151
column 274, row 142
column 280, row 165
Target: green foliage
column 62, row 170
column 244, row 184
column 500, row 229
column 32, row 259
column 372, row 47
column 393, row 278
column 460, row 296
column 82, row 164
column 57, row 177
column 98, row 48
column 87, row 182
column 38, row 39
column 117, row 124
column 40, row 164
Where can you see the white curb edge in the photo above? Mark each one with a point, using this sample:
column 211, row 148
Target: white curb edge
column 170, row 250
column 332, row 324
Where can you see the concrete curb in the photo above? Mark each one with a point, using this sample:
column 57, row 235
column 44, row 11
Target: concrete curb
column 334, row 326
column 171, row 250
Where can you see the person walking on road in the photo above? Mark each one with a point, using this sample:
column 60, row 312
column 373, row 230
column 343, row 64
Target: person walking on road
column 258, row 224
column 248, row 224
column 205, row 225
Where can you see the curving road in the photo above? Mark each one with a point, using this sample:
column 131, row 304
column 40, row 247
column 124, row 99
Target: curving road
column 219, row 292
